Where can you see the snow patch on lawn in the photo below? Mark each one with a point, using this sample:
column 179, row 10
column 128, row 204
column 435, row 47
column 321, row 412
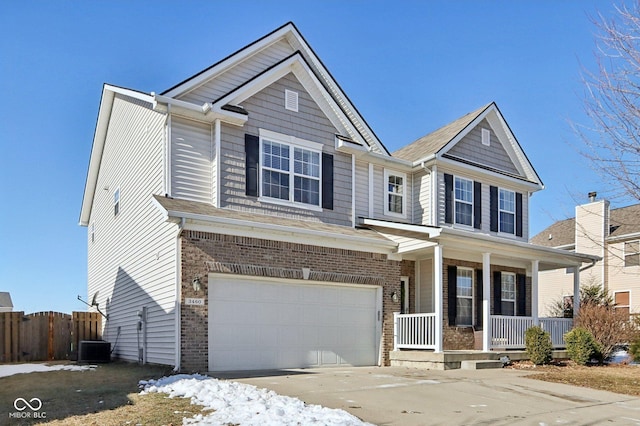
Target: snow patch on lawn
column 11, row 369
column 238, row 403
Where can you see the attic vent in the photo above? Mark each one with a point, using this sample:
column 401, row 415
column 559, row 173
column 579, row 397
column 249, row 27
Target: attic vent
column 486, row 137
column 291, row 100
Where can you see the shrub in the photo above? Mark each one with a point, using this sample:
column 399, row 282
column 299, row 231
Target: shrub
column 608, row 326
column 538, row 344
column 581, row 346
column 634, row 350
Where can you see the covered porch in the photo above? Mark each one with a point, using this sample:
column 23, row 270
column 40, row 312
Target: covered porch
column 470, row 291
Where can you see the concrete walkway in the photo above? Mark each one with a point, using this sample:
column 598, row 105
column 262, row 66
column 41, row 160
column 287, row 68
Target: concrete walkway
column 403, row 396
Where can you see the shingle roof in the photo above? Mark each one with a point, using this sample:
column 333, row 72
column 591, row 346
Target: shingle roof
column 204, row 209
column 435, row 141
column 561, row 233
column 622, row 221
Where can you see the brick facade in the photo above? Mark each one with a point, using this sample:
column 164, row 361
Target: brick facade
column 254, row 256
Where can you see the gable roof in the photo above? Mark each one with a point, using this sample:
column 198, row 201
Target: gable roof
column 623, row 221
column 437, row 144
column 433, row 142
column 290, row 33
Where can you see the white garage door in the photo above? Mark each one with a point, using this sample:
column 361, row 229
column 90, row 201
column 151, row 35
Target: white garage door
column 266, row 324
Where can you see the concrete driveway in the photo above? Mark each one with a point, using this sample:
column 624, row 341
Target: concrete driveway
column 403, row 396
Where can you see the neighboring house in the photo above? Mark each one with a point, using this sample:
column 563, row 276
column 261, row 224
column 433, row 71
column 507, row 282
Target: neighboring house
column 249, row 218
column 613, row 235
column 6, row 305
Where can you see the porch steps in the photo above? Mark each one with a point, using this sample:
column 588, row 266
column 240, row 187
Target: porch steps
column 451, row 360
column 480, row 364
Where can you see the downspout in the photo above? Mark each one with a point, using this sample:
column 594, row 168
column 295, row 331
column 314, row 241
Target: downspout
column 167, row 170
column 353, row 191
column 178, row 305
column 433, row 175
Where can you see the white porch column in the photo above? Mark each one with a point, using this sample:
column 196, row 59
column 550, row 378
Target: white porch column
column 437, row 268
column 576, row 291
column 486, row 304
column 534, row 291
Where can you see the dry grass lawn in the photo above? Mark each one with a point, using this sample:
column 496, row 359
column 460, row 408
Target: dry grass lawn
column 108, row 395
column 623, row 379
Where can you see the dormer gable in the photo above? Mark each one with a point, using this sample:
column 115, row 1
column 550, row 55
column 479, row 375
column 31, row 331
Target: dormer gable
column 482, row 140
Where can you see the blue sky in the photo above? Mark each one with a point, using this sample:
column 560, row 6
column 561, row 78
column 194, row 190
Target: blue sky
column 408, row 66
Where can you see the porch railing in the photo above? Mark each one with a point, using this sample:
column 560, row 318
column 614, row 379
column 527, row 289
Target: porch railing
column 557, row 327
column 508, row 332
column 414, row 331
column 417, row 331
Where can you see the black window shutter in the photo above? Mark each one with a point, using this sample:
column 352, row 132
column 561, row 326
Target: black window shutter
column 448, row 198
column 493, row 206
column 252, row 156
column 497, row 293
column 327, row 181
column 477, row 205
column 518, row 214
column 452, row 290
column 521, row 295
column 479, row 295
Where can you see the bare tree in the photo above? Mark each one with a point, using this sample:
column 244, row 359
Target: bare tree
column 612, row 102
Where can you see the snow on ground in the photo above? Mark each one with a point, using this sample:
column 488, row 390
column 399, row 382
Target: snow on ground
column 238, row 403
column 11, row 369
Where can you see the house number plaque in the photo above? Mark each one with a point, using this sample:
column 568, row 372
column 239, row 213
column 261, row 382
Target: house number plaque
column 193, row 301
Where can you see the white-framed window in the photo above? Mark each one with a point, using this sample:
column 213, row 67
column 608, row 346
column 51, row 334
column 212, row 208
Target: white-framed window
column 116, row 202
column 464, row 296
column 508, row 286
column 506, row 211
column 395, row 193
column 290, row 169
column 463, row 193
column 632, row 253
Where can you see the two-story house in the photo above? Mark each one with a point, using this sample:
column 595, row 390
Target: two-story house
column 250, row 218
column 611, row 234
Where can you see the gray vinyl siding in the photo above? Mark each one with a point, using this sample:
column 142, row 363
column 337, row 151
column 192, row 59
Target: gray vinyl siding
column 132, row 261
column 486, row 211
column 239, row 74
column 266, row 111
column 362, row 189
column 471, row 148
column 422, row 198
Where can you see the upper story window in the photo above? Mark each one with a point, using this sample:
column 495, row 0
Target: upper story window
column 395, row 191
column 507, row 211
column 508, row 286
column 632, row 253
column 116, row 202
column 463, row 193
column 290, row 169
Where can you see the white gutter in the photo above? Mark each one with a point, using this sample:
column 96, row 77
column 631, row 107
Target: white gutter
column 618, row 238
column 204, row 111
column 431, row 231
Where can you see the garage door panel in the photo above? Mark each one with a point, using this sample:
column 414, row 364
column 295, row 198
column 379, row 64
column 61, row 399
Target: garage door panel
column 261, row 324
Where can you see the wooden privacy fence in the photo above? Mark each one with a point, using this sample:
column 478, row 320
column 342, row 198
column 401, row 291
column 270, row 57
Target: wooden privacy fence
column 45, row 336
